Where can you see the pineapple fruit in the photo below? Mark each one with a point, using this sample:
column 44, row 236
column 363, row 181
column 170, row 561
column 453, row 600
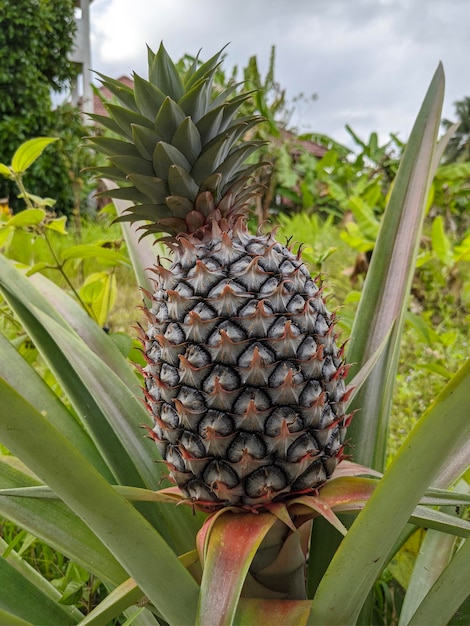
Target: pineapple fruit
column 244, row 379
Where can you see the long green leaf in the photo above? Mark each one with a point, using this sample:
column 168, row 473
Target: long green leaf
column 388, row 281
column 21, row 597
column 434, row 554
column 85, row 327
column 133, row 541
column 114, row 604
column 447, row 594
column 22, row 377
column 372, row 536
column 82, row 398
column 34, row 577
column 115, row 413
column 43, row 294
column 55, row 524
column 12, row 620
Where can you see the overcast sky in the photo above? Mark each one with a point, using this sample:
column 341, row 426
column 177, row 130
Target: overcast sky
column 369, row 61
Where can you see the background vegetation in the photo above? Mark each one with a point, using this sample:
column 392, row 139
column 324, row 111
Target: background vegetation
column 36, row 39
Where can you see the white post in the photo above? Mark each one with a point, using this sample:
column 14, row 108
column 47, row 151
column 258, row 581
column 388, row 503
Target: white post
column 82, row 93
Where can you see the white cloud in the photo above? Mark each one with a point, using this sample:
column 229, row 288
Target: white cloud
column 370, row 61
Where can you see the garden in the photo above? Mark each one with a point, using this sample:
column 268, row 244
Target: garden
column 98, row 525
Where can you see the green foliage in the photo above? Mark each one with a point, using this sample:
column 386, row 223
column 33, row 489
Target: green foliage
column 35, row 41
column 97, row 293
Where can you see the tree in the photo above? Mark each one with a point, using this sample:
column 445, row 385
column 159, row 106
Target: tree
column 36, row 39
column 458, row 148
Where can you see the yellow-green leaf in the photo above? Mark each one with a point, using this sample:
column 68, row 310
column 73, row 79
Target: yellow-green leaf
column 5, row 170
column 99, row 292
column 28, row 217
column 58, row 225
column 28, row 152
column 6, row 235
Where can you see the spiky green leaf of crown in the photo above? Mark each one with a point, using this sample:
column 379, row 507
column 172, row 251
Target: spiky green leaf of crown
column 181, row 150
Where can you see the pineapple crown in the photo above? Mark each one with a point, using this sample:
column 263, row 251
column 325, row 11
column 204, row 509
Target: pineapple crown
column 180, row 151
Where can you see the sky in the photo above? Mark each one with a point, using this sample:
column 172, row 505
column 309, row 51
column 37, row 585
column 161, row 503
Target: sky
column 369, row 62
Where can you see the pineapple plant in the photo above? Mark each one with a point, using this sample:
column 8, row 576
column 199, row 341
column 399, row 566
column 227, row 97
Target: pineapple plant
column 96, row 496
column 244, row 377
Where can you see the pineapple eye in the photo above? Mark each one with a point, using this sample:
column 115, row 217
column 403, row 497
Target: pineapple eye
column 287, row 267
column 328, row 369
column 265, row 481
column 310, row 288
column 191, row 399
column 169, row 375
column 327, row 417
column 174, row 334
column 311, row 393
column 220, row 471
column 161, row 313
column 256, row 248
column 184, row 290
column 269, row 286
column 267, row 356
column 173, row 457
column 192, row 443
column 307, row 349
column 278, row 377
column 314, row 475
column 169, row 416
column 226, row 376
column 296, row 304
column 251, row 394
column 203, row 311
column 233, row 332
column 246, row 443
column 283, row 414
column 334, row 443
column 304, row 446
column 278, row 329
column 321, row 327
column 198, row 491
column 217, row 421
column 197, row 356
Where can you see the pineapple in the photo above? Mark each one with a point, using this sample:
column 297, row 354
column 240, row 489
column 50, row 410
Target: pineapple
column 244, row 379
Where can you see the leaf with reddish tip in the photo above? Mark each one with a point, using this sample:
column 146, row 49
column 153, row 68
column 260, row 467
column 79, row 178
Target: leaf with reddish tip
column 313, row 506
column 348, row 493
column 231, row 544
column 348, row 468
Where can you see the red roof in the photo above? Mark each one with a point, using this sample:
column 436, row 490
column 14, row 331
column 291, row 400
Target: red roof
column 104, row 91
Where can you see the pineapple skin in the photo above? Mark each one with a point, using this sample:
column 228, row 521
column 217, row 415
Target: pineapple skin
column 244, row 379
